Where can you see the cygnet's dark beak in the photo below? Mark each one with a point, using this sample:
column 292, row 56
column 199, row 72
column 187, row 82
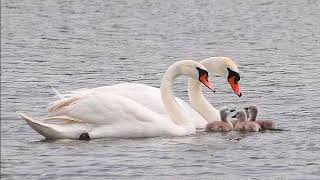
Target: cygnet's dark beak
column 234, row 116
column 232, row 110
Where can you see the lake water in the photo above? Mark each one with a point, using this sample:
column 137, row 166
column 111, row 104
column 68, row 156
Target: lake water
column 70, row 45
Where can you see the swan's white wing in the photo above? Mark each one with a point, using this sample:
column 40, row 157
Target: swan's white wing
column 147, row 96
column 102, row 108
column 150, row 97
column 115, row 116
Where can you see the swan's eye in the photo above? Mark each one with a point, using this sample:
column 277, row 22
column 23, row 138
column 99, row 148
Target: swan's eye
column 202, row 72
column 203, row 78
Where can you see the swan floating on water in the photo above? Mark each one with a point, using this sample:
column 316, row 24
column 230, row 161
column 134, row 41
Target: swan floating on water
column 199, row 109
column 150, row 97
column 112, row 115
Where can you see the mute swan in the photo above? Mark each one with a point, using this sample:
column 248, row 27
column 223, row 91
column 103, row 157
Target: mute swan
column 98, row 115
column 200, row 110
column 244, row 125
column 221, row 126
column 252, row 112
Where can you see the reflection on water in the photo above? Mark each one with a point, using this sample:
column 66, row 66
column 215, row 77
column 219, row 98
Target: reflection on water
column 70, row 45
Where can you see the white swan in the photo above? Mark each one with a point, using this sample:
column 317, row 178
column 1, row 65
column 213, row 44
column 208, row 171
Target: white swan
column 109, row 115
column 200, row 110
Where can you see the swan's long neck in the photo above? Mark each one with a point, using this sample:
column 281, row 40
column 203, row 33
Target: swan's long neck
column 172, row 107
column 196, row 97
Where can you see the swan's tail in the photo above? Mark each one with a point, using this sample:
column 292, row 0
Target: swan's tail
column 58, row 94
column 42, row 128
column 55, row 131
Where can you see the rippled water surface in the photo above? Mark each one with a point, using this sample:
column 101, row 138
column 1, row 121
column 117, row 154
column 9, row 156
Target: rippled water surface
column 70, row 45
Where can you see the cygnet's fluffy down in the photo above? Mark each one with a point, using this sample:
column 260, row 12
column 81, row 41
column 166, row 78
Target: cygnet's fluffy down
column 221, row 126
column 244, row 125
column 252, row 112
column 234, row 121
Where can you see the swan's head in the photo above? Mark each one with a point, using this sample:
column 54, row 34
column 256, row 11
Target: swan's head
column 191, row 69
column 251, row 110
column 202, row 75
column 224, row 112
column 225, row 67
column 241, row 115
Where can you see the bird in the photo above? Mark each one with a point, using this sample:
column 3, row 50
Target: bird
column 221, row 126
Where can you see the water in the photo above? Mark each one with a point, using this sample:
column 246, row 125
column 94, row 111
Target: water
column 70, row 45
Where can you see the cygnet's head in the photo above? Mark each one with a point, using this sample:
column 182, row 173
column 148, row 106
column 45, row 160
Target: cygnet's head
column 224, row 112
column 241, row 115
column 251, row 111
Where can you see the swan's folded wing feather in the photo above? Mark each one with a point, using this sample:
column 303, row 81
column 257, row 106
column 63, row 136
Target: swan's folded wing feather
column 63, row 119
column 62, row 104
column 57, row 131
column 103, row 109
column 73, row 96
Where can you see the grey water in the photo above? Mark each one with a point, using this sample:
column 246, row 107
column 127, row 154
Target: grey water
column 83, row 44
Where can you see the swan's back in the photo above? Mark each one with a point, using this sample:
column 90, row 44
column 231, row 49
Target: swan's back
column 102, row 108
column 145, row 95
column 116, row 116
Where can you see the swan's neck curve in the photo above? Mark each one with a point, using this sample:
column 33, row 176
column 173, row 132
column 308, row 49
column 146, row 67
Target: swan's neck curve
column 196, row 97
column 173, row 109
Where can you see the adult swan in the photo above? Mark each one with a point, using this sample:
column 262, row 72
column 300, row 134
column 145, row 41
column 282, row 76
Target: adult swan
column 200, row 110
column 100, row 115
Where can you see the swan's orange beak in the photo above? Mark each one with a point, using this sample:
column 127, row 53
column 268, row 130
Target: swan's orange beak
column 206, row 82
column 235, row 86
